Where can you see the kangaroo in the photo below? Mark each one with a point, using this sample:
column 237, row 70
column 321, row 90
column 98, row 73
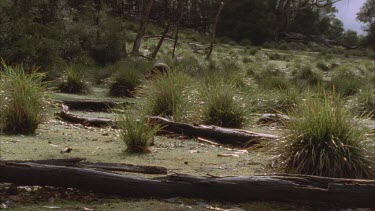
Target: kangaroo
column 158, row 68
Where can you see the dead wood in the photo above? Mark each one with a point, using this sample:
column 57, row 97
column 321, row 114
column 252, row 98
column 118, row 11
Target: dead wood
column 294, row 188
column 220, row 135
column 86, row 121
column 91, row 104
column 82, row 163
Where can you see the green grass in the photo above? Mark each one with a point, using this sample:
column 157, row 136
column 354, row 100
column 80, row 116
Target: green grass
column 166, row 95
column 346, row 83
column 223, row 107
column 307, row 77
column 365, row 102
column 73, row 81
column 23, row 99
column 137, row 134
column 125, row 82
column 325, row 140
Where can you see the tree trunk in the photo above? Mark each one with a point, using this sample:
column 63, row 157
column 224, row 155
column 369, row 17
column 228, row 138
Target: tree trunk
column 308, row 189
column 214, row 31
column 155, row 53
column 91, row 105
column 225, row 136
column 81, row 163
column 180, row 14
column 142, row 28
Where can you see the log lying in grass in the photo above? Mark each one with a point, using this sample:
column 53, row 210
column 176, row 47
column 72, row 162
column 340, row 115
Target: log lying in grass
column 92, row 105
column 94, row 122
column 221, row 135
column 81, row 163
column 313, row 190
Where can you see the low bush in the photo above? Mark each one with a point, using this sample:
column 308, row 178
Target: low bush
column 23, row 98
column 325, row 140
column 346, row 83
column 124, row 83
column 165, row 95
column 73, row 82
column 137, row 134
column 222, row 107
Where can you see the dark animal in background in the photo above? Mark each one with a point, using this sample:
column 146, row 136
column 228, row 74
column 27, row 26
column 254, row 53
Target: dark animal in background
column 158, row 68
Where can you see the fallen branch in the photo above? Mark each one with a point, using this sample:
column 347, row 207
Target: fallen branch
column 81, row 163
column 220, row 135
column 92, row 105
column 93, row 122
column 312, row 190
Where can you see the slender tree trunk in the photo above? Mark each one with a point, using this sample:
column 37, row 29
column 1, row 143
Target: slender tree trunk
column 180, row 6
column 142, row 28
column 214, row 31
column 155, row 53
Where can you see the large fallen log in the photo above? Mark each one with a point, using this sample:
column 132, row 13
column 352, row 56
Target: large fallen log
column 86, row 121
column 312, row 190
column 91, row 105
column 82, row 163
column 221, row 135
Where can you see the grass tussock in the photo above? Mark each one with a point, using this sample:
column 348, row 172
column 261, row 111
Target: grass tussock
column 324, row 140
column 137, row 134
column 22, row 100
column 73, row 81
column 223, row 107
column 125, row 82
column 166, row 95
column 346, row 83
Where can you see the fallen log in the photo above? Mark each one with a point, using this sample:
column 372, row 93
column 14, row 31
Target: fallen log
column 220, row 135
column 224, row 136
column 94, row 122
column 267, row 119
column 81, row 163
column 91, row 105
column 307, row 189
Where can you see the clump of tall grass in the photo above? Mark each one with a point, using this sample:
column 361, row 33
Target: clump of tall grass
column 124, row 83
column 366, row 102
column 222, row 106
column 73, row 82
column 166, row 95
column 346, row 83
column 272, row 79
column 23, row 98
column 137, row 134
column 308, row 77
column 325, row 140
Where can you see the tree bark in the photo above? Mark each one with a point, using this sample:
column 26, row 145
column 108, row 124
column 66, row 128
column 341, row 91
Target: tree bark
column 91, row 105
column 220, row 135
column 92, row 122
column 214, row 31
column 142, row 28
column 155, row 53
column 308, row 189
column 81, row 163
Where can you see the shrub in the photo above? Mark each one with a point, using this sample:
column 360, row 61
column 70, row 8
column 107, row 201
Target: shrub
column 72, row 81
column 137, row 134
column 346, row 83
column 222, row 108
column 165, row 95
column 125, row 83
column 307, row 75
column 22, row 97
column 324, row 140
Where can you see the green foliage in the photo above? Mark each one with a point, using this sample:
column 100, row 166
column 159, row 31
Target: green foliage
column 324, row 140
column 308, row 76
column 23, row 98
column 125, row 83
column 272, row 79
column 73, row 81
column 137, row 134
column 222, row 107
column 366, row 102
column 165, row 95
column 345, row 82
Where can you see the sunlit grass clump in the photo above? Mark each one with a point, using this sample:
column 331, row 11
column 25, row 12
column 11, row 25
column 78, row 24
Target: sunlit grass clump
column 125, row 82
column 222, row 107
column 325, row 140
column 137, row 134
column 165, row 95
column 22, row 98
column 73, row 82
